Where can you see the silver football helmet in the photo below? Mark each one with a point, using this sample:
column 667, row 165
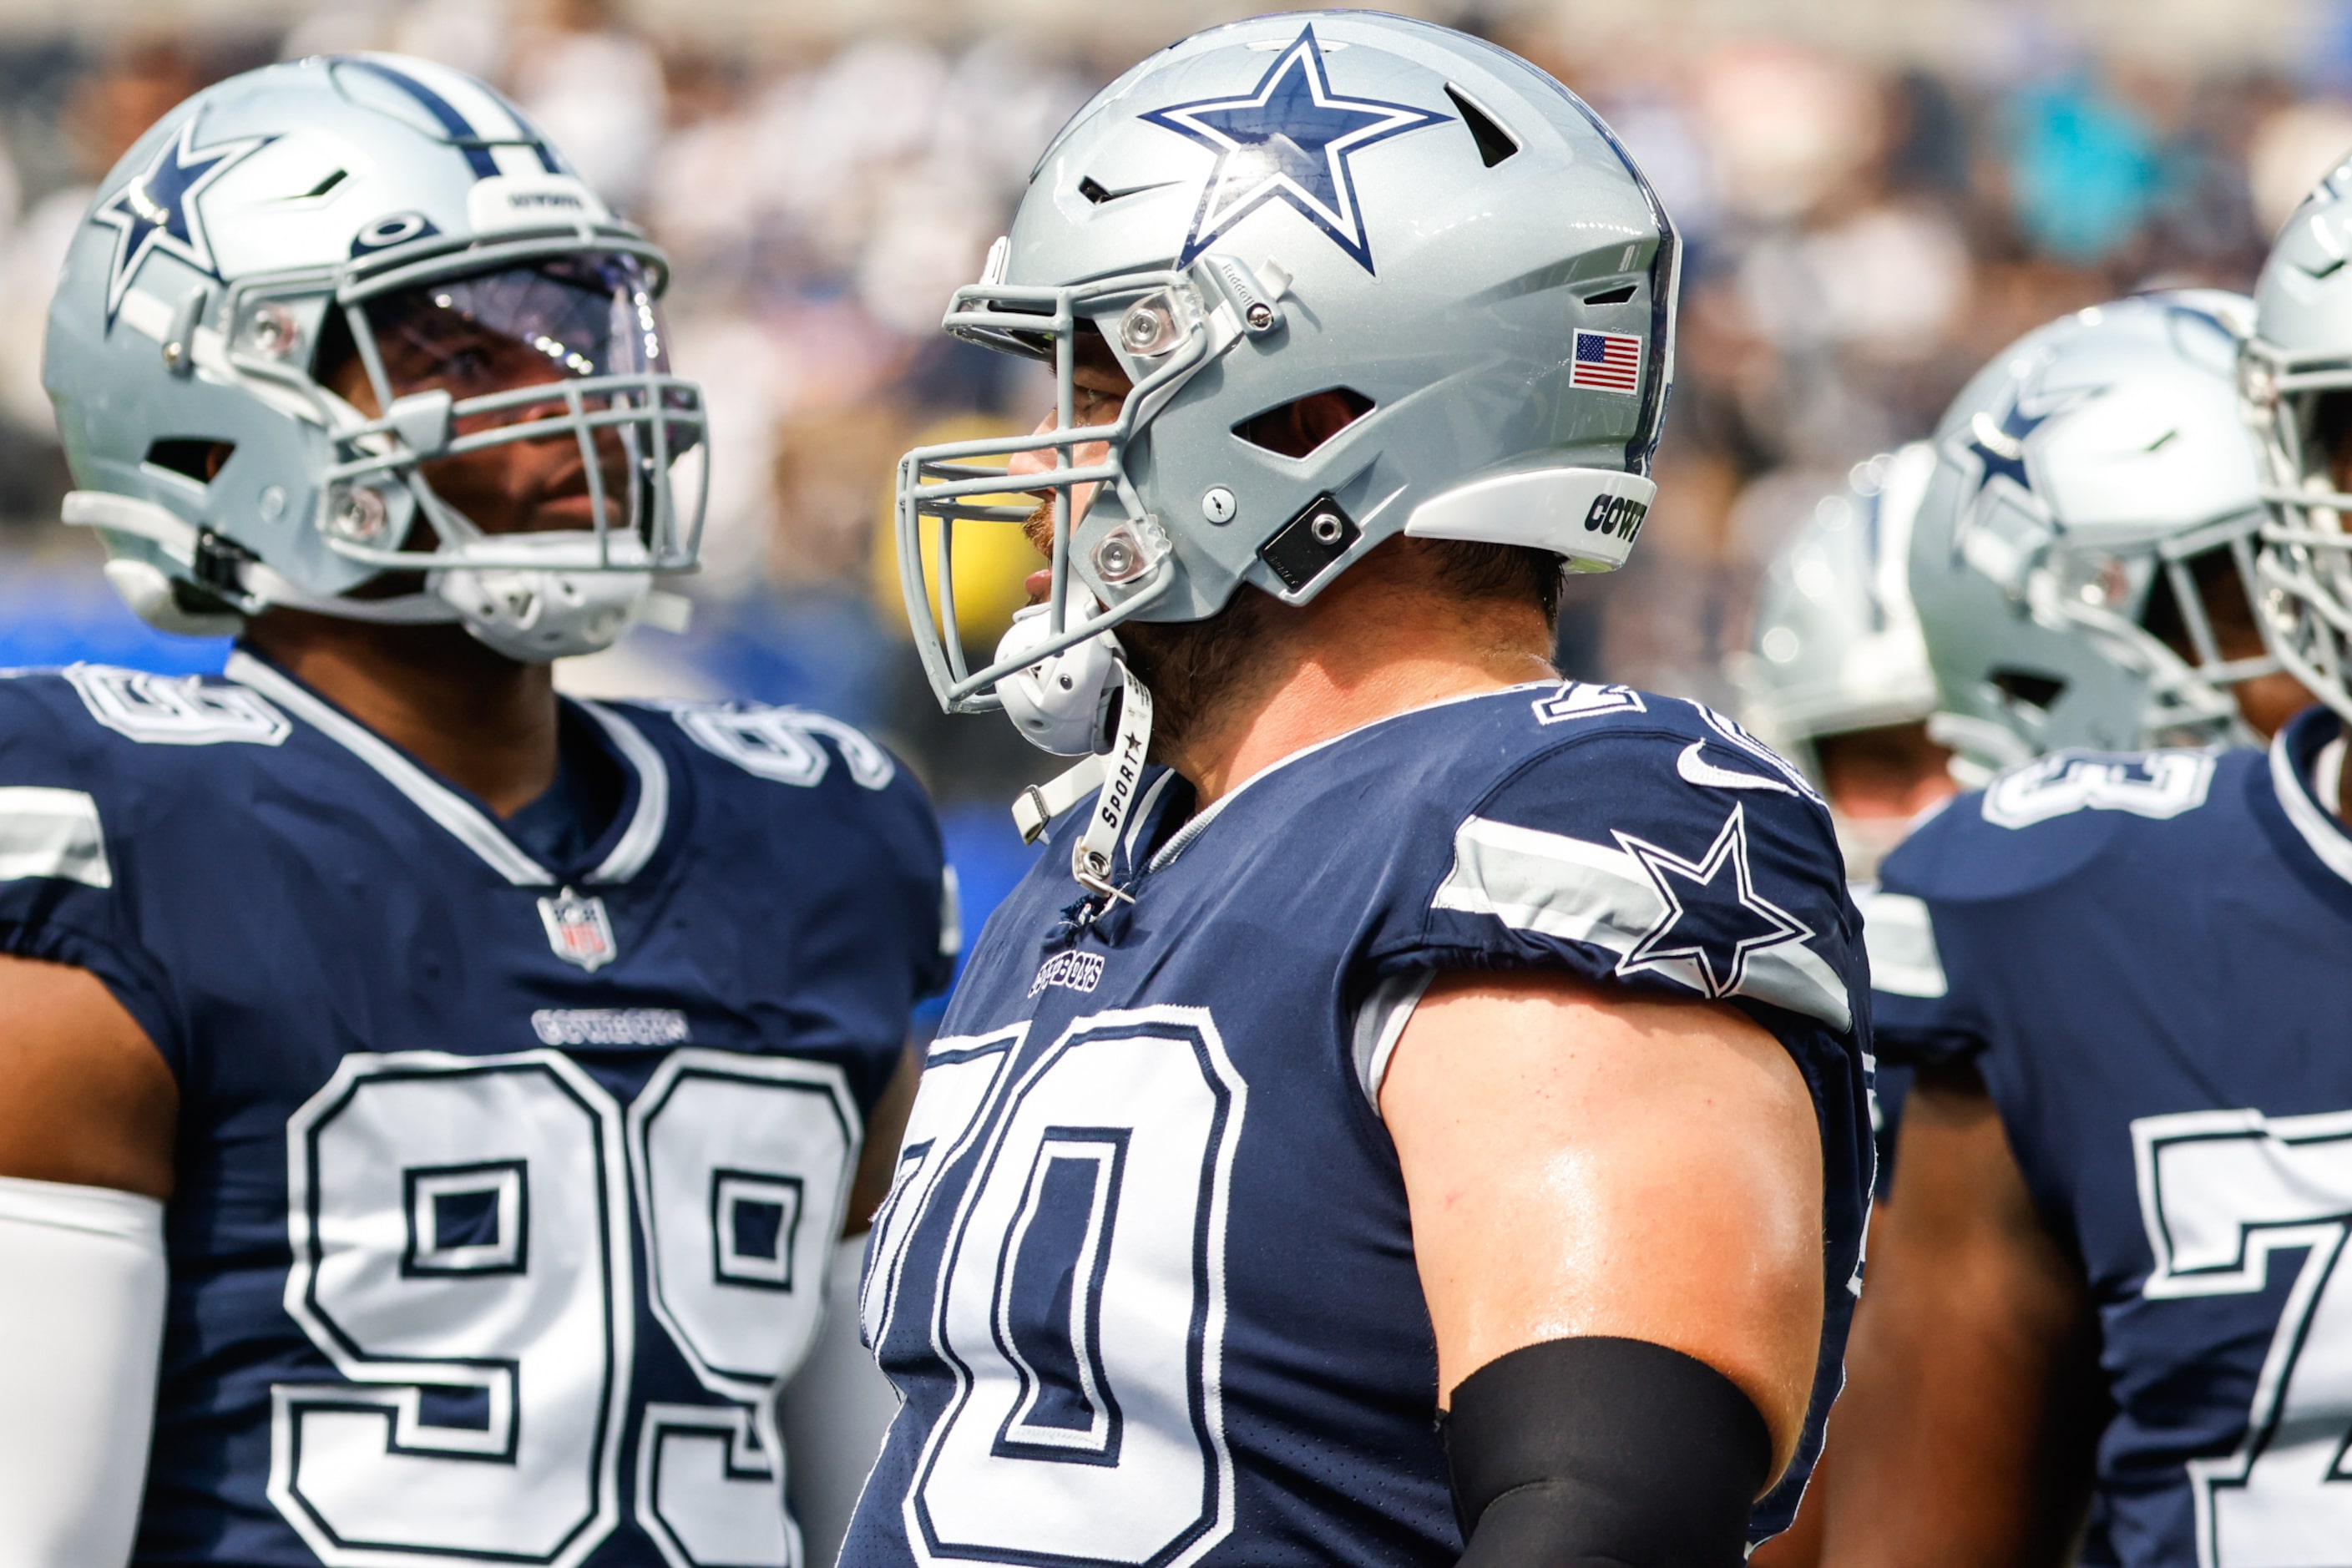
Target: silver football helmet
column 1836, row 645
column 1345, row 202
column 2294, row 369
column 296, row 243
column 2082, row 476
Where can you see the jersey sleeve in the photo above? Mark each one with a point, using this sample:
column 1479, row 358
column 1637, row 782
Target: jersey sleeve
column 1920, row 1018
column 71, row 871
column 1601, row 858
column 1689, row 865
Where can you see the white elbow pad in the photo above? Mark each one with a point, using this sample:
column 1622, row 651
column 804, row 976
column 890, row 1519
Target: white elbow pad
column 81, row 1326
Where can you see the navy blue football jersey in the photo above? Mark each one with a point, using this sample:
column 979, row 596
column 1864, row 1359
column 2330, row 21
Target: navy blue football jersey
column 505, row 1190
column 1145, row 1278
column 2145, row 957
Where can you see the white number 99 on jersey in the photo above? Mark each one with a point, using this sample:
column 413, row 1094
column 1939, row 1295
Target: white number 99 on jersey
column 461, row 1236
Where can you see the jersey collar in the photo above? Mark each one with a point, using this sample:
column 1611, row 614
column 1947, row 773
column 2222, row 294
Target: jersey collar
column 1184, row 836
column 2293, row 750
column 466, row 822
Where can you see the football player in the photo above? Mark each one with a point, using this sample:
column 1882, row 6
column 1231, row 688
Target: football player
column 427, row 1104
column 1414, row 1110
column 1837, row 679
column 2115, row 970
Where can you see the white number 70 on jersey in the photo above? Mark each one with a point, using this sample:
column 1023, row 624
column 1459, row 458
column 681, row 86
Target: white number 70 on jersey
column 2220, row 1192
column 461, row 1237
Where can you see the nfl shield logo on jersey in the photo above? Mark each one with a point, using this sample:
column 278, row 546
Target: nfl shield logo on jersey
column 579, row 929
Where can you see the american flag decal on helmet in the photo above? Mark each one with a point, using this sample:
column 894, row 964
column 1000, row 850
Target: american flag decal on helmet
column 1608, row 362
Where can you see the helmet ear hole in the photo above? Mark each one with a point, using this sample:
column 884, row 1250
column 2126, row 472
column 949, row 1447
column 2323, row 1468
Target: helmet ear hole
column 192, row 457
column 2029, row 688
column 1298, row 427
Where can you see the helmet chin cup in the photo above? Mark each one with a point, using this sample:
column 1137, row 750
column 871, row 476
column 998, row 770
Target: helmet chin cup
column 149, row 591
column 576, row 598
column 1061, row 704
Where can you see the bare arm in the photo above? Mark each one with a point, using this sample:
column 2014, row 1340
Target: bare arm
column 1581, row 1162
column 1971, row 1402
column 85, row 1097
column 87, row 1109
column 886, row 1127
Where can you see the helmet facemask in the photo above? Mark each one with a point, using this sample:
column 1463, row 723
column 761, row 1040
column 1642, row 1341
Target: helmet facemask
column 2139, row 609
column 1162, row 332
column 2302, row 416
column 502, row 420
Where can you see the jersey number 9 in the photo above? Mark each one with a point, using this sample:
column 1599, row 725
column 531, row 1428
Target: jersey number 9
column 460, row 1228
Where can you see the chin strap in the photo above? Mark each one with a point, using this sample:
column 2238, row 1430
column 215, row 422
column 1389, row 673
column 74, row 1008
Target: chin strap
column 1122, row 777
column 1035, row 808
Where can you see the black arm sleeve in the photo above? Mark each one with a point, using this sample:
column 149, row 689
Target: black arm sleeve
column 1603, row 1452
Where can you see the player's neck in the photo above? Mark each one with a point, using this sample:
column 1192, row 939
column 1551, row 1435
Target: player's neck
column 478, row 718
column 1365, row 650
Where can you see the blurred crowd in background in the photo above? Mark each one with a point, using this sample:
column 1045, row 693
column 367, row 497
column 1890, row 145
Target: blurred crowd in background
column 1860, row 237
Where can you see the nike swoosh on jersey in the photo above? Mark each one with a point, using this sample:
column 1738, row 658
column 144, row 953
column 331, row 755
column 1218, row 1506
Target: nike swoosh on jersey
column 1696, row 769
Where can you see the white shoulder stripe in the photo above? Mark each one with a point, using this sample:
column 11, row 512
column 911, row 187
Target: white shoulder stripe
column 1548, row 882
column 1900, row 937
column 52, row 833
column 1600, row 895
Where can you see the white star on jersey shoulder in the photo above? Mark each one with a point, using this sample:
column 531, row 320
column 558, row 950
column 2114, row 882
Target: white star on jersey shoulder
column 1698, row 964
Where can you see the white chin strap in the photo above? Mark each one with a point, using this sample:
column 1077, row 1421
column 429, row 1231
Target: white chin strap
column 533, row 597
column 1064, row 704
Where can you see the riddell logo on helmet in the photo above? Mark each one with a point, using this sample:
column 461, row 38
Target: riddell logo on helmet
column 1620, row 516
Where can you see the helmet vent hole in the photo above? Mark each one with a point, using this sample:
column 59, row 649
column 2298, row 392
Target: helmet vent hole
column 2027, row 687
column 323, row 186
column 1093, row 190
column 1495, row 144
column 190, row 456
column 1617, row 296
column 1299, row 427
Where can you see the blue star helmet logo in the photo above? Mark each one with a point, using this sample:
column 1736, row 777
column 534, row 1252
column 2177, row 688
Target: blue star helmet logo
column 1998, row 445
column 157, row 210
column 1713, row 923
column 1289, row 139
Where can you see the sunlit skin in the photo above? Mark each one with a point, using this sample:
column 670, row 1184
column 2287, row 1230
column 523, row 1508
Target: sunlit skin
column 1541, row 1144
column 1891, row 772
column 85, row 1097
column 1973, row 1390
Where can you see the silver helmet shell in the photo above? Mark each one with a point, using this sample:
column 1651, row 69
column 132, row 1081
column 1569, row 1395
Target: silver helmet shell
column 1836, row 645
column 1291, row 205
column 2299, row 355
column 2090, row 458
column 228, row 241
